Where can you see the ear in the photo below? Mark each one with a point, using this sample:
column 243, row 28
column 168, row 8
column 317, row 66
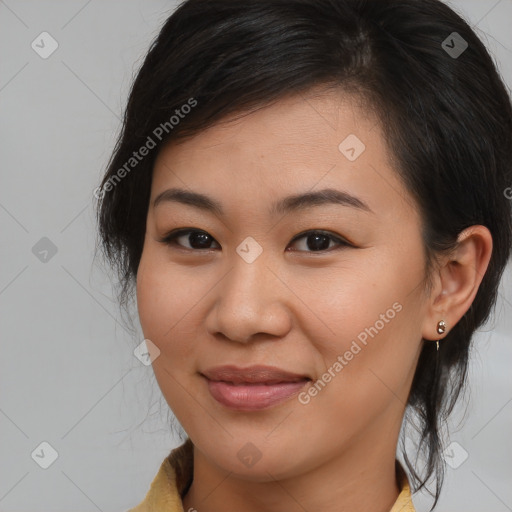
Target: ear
column 456, row 281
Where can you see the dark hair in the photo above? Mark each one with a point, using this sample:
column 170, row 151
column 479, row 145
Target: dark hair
column 447, row 119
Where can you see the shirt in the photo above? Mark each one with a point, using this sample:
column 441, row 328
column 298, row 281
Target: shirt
column 176, row 473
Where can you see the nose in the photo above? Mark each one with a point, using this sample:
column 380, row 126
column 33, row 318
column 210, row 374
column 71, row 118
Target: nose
column 251, row 302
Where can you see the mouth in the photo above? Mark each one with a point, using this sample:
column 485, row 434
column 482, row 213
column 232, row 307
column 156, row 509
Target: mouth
column 253, row 388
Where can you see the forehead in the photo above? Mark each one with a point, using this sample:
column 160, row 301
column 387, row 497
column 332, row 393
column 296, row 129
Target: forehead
column 314, row 119
column 319, row 139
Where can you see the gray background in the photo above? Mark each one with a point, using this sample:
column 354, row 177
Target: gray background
column 68, row 375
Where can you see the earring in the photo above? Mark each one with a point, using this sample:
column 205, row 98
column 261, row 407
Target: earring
column 441, row 328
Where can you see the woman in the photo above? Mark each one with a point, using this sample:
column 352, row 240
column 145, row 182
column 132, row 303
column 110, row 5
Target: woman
column 308, row 199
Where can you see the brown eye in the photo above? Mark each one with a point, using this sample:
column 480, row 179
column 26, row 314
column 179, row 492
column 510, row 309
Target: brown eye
column 197, row 240
column 319, row 241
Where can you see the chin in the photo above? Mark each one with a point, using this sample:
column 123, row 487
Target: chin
column 253, row 463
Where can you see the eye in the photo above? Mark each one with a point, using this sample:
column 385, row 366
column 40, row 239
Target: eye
column 196, row 238
column 319, row 241
column 316, row 240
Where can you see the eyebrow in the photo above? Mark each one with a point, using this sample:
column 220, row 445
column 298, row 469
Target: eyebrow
column 288, row 204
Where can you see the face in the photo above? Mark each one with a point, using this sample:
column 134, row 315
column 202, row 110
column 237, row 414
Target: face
column 328, row 289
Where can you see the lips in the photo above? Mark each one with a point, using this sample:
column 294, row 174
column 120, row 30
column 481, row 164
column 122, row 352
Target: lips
column 252, row 375
column 253, row 388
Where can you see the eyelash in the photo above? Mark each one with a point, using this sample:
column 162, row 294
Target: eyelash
column 170, row 239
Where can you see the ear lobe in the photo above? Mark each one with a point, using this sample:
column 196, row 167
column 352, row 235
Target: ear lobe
column 457, row 280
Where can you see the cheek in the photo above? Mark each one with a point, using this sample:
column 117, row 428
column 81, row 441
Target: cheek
column 346, row 302
column 159, row 296
column 166, row 300
column 148, row 307
column 162, row 310
column 371, row 317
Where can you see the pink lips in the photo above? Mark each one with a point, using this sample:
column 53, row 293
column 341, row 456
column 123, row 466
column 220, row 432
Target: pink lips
column 252, row 388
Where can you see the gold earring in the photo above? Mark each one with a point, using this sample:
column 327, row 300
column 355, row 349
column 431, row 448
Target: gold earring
column 441, row 328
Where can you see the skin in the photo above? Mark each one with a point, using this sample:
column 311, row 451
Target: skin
column 294, row 307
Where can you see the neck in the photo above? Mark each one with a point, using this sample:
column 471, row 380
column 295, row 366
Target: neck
column 360, row 478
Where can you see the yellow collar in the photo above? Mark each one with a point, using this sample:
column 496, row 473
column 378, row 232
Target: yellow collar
column 175, row 476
